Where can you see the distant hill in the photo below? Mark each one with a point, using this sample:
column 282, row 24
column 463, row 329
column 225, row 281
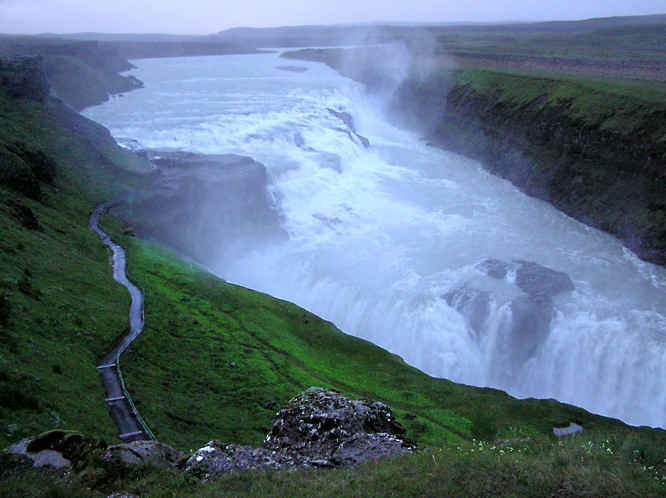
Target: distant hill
column 146, row 37
column 313, row 35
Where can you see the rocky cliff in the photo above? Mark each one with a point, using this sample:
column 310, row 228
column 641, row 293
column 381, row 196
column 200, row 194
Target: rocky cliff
column 596, row 151
column 208, row 206
column 81, row 73
column 598, row 155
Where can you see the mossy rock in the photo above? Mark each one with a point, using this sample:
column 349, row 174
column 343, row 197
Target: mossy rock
column 72, row 445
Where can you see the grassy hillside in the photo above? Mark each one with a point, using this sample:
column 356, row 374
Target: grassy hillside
column 621, row 107
column 60, row 308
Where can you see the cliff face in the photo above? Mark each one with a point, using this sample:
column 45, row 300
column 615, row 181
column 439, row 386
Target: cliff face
column 596, row 151
column 80, row 73
column 208, row 206
column 604, row 165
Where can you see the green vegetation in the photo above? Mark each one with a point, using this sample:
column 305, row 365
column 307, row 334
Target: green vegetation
column 620, row 108
column 577, row 466
column 59, row 309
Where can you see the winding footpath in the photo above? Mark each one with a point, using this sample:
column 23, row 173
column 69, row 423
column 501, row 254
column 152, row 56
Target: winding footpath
column 124, row 414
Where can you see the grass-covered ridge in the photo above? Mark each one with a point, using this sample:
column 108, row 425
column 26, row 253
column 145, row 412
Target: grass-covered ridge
column 619, row 107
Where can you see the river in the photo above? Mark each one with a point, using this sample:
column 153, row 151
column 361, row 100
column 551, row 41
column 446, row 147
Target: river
column 389, row 242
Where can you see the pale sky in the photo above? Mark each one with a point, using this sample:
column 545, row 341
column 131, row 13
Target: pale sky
column 210, row 16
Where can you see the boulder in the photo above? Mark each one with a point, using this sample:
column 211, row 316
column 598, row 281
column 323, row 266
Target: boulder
column 318, row 428
column 57, row 449
column 146, row 452
column 494, row 268
column 526, row 314
column 216, row 459
column 532, row 278
column 473, row 304
column 539, row 281
column 43, row 458
column 316, row 422
column 363, row 447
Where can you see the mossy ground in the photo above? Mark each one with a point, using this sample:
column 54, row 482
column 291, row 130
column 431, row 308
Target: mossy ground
column 578, row 466
column 621, row 107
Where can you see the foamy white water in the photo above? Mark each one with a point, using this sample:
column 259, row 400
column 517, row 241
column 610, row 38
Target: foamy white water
column 381, row 238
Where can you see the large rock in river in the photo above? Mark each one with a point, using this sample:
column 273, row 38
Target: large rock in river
column 210, row 207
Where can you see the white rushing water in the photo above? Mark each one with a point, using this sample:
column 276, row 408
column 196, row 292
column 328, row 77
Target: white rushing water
column 381, row 240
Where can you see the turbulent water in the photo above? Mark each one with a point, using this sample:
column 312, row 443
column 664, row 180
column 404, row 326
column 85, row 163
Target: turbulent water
column 388, row 242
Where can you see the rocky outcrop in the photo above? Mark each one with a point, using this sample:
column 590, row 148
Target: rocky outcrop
column 81, row 73
column 317, row 422
column 348, row 120
column 318, row 428
column 24, row 76
column 216, row 459
column 525, row 316
column 146, row 453
column 207, row 206
column 55, row 449
column 607, row 179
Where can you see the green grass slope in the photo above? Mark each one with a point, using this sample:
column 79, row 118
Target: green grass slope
column 61, row 309
column 620, row 107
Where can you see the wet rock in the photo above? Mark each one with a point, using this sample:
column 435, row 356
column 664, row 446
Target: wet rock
column 216, row 459
column 540, row 281
column 348, row 120
column 42, row 458
column 494, row 268
column 363, row 447
column 526, row 317
column 473, row 304
column 57, row 449
column 210, row 207
column 318, row 421
column 530, row 326
column 146, row 452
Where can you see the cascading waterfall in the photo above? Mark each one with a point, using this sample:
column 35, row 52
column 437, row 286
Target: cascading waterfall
column 413, row 248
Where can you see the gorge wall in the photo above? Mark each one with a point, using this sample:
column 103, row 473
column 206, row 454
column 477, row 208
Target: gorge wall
column 81, row 73
column 595, row 151
column 597, row 155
